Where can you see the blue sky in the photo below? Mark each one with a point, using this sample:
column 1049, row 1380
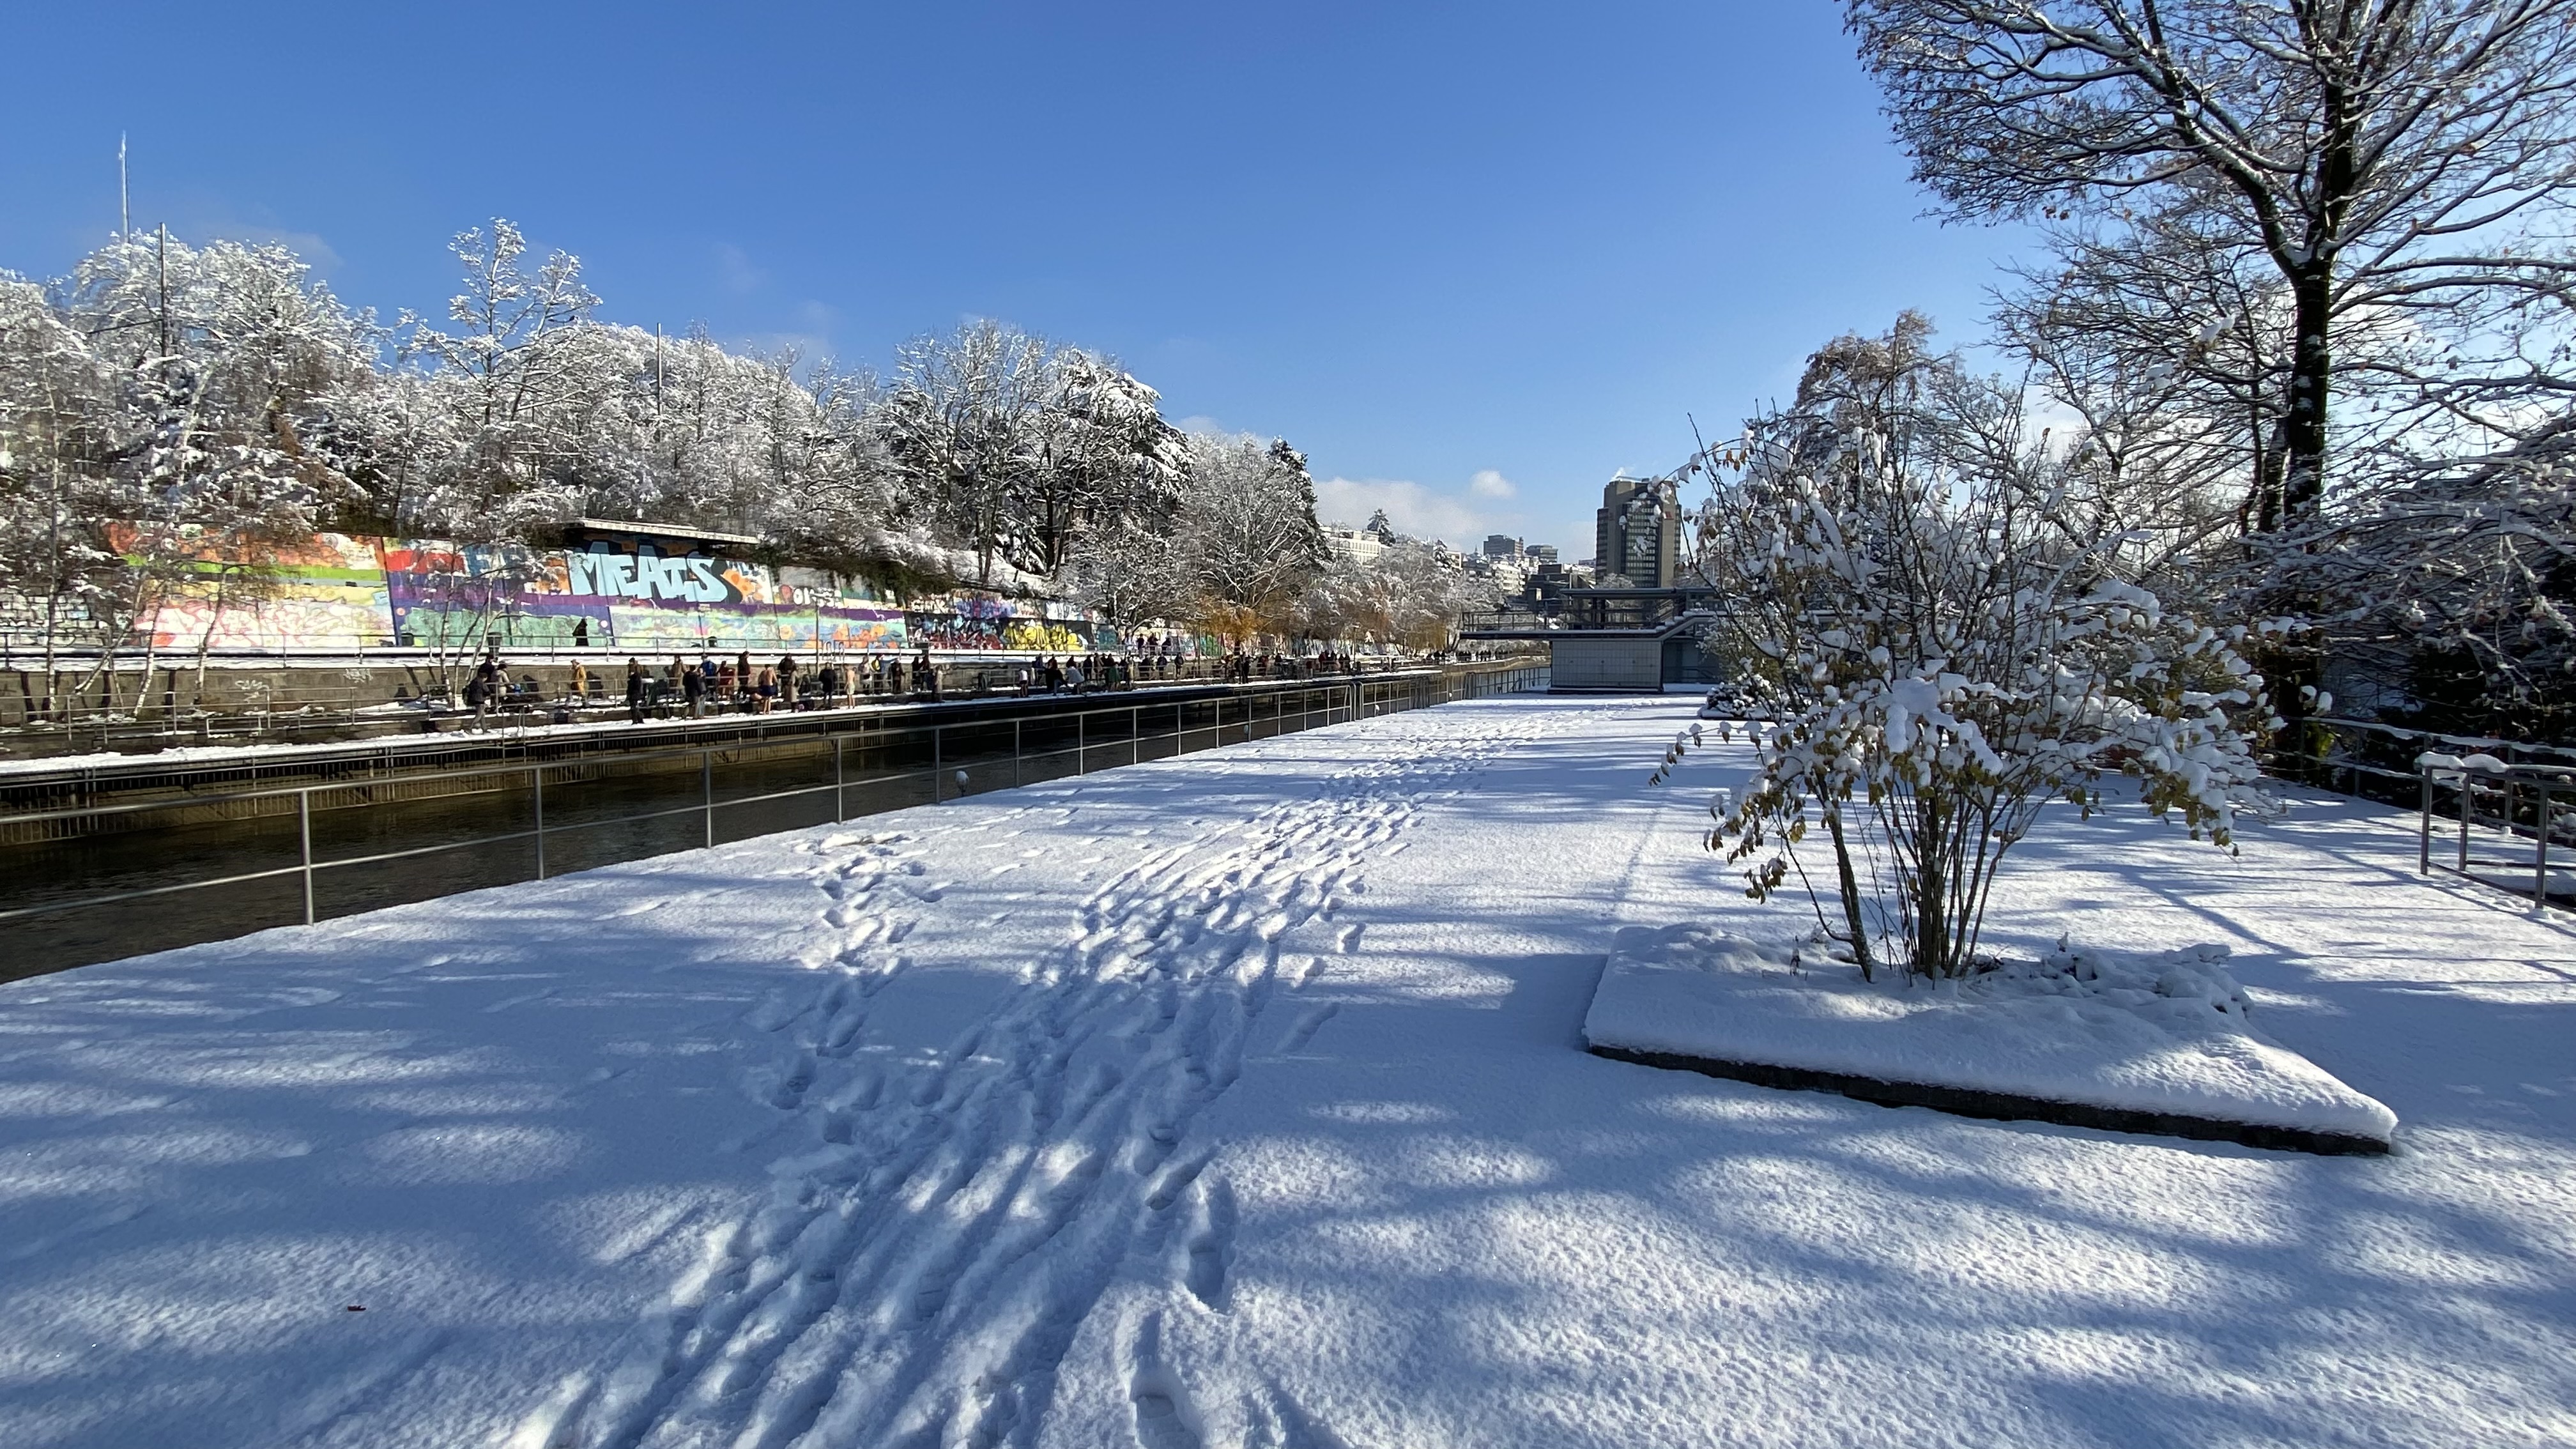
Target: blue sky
column 1472, row 259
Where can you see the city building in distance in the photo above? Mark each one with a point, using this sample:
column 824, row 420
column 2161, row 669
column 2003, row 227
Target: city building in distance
column 1637, row 533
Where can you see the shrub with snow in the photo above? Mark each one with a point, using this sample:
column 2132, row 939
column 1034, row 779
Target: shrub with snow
column 1939, row 657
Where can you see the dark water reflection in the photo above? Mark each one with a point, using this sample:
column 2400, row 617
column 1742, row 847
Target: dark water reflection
column 382, row 842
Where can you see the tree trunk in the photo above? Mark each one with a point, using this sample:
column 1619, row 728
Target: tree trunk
column 1933, row 946
column 206, row 640
column 54, row 580
column 2262, row 511
column 2303, row 431
column 1850, row 884
column 151, row 652
column 2294, row 667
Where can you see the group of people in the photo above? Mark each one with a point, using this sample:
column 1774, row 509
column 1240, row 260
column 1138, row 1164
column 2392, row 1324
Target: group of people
column 1048, row 674
column 488, row 688
column 736, row 685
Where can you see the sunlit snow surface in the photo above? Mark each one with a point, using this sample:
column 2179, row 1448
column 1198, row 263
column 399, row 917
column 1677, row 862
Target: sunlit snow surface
column 2158, row 1033
column 1240, row 1100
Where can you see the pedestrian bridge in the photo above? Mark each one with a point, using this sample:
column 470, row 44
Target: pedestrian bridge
column 1615, row 641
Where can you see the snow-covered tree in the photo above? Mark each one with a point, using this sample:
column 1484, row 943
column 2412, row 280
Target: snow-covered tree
column 203, row 400
column 1014, row 447
column 1410, row 594
column 962, row 420
column 2461, row 587
column 1128, row 573
column 2394, row 155
column 1104, row 455
column 516, row 381
column 1249, row 542
column 1939, row 656
column 161, row 395
column 57, row 403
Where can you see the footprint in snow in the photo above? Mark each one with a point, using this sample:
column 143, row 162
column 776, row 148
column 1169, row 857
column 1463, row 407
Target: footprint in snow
column 1165, row 1416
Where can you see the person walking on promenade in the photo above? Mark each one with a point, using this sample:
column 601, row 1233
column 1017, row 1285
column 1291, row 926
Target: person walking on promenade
column 787, row 682
column 635, row 673
column 580, row 682
column 693, row 689
column 765, row 690
column 484, row 694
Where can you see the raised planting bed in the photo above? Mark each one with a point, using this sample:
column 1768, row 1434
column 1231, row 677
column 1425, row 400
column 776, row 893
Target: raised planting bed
column 2150, row 1042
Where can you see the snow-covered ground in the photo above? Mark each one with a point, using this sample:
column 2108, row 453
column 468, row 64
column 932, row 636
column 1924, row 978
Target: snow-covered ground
column 1240, row 1100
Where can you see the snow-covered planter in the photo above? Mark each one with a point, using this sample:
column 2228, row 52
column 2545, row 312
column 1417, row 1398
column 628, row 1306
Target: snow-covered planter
column 2138, row 1042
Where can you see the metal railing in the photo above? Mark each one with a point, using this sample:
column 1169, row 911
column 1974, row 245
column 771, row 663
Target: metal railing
column 739, row 790
column 2378, row 760
column 2516, row 796
column 289, row 699
column 2494, row 796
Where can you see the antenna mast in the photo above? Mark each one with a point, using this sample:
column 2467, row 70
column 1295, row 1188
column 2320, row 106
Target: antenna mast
column 165, row 288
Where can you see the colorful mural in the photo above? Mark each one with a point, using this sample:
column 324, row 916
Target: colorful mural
column 322, row 587
column 335, row 591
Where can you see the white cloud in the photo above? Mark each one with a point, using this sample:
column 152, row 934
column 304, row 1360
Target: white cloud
column 1461, row 518
column 808, row 335
column 735, row 271
column 309, row 247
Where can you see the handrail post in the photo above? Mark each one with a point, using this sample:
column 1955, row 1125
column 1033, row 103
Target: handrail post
column 2468, row 805
column 2424, row 823
column 537, row 779
column 937, row 764
column 707, row 790
column 1081, row 743
column 1015, row 752
column 1135, row 735
column 840, row 802
column 2540, row 853
column 304, row 848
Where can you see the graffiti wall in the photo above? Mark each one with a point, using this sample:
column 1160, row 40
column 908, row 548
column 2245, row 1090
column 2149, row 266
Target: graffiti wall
column 327, row 587
column 639, row 600
column 339, row 592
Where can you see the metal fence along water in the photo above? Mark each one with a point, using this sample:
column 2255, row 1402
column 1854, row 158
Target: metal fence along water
column 97, row 881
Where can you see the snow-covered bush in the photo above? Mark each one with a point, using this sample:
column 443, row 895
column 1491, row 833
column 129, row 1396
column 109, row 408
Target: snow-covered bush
column 1940, row 657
